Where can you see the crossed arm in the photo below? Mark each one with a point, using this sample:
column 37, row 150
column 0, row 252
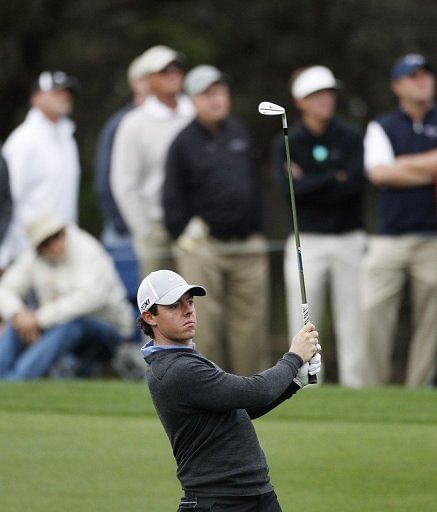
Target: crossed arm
column 407, row 171
column 385, row 169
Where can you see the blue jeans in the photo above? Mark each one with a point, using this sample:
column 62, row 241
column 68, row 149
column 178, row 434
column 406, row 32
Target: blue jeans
column 19, row 361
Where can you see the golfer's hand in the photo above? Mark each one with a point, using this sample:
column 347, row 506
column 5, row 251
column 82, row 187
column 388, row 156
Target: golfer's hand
column 311, row 368
column 306, row 342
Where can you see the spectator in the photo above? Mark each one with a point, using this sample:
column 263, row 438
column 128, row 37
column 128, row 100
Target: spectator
column 115, row 230
column 213, row 203
column 79, row 296
column 116, row 237
column 5, row 210
column 43, row 160
column 140, row 148
column 401, row 160
column 328, row 178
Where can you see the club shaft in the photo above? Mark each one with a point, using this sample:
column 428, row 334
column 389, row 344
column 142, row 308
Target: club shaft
column 312, row 379
column 295, row 223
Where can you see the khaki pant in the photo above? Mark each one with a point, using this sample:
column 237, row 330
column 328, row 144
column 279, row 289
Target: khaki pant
column 233, row 317
column 331, row 262
column 390, row 262
column 153, row 250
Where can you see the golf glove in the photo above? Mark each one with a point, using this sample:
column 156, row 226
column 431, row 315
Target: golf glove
column 312, row 368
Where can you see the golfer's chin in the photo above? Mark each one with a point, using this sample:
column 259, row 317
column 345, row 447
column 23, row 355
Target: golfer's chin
column 190, row 329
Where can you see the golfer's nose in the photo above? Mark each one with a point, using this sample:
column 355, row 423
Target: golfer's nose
column 188, row 308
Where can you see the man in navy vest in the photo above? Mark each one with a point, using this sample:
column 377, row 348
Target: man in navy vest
column 401, row 160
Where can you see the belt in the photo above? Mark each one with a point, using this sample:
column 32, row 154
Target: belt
column 191, row 501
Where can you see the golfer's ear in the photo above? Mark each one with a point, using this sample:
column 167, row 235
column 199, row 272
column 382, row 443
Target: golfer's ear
column 148, row 317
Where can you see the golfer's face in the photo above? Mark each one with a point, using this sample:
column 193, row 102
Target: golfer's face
column 177, row 322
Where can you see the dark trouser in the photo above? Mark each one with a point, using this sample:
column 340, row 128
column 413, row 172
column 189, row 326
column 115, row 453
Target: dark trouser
column 261, row 503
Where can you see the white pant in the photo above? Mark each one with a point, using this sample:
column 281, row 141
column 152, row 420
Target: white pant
column 330, row 262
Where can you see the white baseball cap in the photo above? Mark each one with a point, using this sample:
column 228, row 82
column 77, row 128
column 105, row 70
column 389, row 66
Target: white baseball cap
column 155, row 59
column 54, row 81
column 164, row 287
column 313, row 79
column 135, row 69
column 200, row 78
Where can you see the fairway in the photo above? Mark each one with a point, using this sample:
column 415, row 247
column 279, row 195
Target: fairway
column 97, row 446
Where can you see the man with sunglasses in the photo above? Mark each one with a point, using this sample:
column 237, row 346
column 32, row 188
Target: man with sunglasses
column 80, row 301
column 140, row 149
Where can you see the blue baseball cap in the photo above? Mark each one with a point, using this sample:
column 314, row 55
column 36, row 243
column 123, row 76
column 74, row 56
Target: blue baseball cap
column 408, row 64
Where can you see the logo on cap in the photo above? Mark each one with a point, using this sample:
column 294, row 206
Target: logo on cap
column 146, row 303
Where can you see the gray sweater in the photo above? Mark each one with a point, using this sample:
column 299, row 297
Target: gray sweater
column 207, row 414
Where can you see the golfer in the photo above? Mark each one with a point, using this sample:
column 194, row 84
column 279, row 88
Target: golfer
column 207, row 412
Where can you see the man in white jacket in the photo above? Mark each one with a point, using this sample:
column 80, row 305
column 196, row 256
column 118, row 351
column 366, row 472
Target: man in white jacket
column 79, row 299
column 43, row 159
column 140, row 149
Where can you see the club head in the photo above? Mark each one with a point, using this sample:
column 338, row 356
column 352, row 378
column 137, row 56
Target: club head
column 266, row 108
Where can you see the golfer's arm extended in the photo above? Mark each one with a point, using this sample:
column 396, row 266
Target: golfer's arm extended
column 257, row 412
column 407, row 171
column 213, row 389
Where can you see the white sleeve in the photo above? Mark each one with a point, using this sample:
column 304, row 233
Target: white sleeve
column 15, row 285
column 127, row 175
column 18, row 156
column 377, row 147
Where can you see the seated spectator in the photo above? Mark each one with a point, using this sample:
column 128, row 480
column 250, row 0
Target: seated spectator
column 79, row 298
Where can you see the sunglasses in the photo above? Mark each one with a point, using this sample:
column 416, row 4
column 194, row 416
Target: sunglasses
column 172, row 67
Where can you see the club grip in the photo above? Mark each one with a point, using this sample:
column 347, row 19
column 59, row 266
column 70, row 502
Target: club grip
column 312, row 379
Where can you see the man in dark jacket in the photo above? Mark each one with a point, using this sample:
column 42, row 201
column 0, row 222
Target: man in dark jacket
column 213, row 210
column 207, row 412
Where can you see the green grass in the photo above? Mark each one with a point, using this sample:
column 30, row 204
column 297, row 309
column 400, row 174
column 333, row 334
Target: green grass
column 97, row 446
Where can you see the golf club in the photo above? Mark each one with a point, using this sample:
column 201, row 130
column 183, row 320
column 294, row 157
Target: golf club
column 267, row 108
